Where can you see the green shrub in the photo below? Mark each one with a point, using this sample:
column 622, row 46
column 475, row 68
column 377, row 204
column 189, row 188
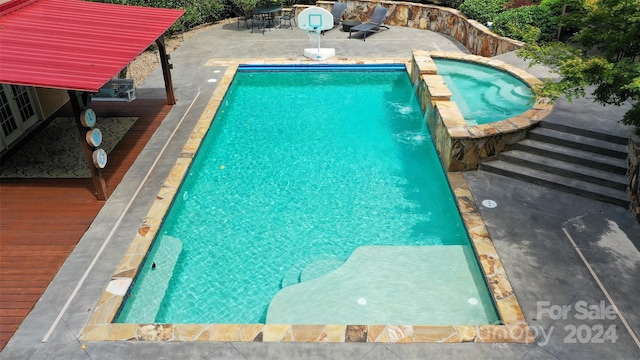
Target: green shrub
column 197, row 12
column 511, row 23
column 482, row 10
column 244, row 4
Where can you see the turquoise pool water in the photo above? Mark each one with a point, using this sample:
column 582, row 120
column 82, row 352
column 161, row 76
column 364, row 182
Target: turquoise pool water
column 484, row 94
column 299, row 170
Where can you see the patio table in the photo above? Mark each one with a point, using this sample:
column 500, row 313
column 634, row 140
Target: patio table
column 269, row 12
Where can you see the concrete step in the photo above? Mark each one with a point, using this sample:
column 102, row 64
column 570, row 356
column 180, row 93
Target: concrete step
column 586, row 158
column 623, row 140
column 564, row 168
column 570, row 185
column 580, row 142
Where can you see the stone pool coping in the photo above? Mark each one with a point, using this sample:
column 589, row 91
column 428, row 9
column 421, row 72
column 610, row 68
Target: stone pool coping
column 514, row 328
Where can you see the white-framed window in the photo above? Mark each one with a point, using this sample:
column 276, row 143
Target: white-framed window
column 17, row 112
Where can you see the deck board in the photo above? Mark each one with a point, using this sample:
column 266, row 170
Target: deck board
column 41, row 220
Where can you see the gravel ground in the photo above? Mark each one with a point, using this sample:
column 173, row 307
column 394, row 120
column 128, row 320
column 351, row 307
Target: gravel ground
column 140, row 68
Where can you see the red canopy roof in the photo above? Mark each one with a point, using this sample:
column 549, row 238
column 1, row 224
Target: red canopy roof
column 72, row 44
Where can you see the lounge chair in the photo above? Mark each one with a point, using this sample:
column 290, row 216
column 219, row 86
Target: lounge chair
column 337, row 11
column 377, row 20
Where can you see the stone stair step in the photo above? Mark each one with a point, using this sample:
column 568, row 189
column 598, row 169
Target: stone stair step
column 586, row 158
column 574, row 186
column 564, row 168
column 623, row 140
column 579, row 142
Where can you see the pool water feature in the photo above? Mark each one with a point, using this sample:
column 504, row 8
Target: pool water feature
column 484, row 94
column 299, row 171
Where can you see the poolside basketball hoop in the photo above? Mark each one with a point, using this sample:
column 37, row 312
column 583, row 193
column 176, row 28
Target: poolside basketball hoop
column 315, row 20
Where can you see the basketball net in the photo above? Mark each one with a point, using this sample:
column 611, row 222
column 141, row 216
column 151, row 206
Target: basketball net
column 314, row 36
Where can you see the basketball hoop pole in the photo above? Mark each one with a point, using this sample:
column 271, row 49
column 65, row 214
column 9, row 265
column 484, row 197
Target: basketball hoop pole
column 315, row 29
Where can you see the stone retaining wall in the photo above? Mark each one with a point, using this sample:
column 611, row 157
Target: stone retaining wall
column 470, row 33
column 633, row 173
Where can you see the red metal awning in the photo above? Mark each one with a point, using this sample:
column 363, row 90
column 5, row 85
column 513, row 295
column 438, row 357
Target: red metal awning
column 72, row 44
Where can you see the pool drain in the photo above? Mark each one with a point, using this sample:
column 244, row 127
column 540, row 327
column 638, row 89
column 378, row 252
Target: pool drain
column 362, row 301
column 489, row 204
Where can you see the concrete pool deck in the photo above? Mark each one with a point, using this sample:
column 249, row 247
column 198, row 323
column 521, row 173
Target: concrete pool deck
column 526, row 227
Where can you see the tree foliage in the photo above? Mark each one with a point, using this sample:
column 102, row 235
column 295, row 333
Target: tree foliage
column 604, row 53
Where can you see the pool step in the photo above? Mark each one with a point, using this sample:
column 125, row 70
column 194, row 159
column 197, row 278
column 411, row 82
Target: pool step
column 493, row 97
column 291, row 277
column 319, row 268
column 577, row 161
column 156, row 281
column 309, row 269
column 387, row 285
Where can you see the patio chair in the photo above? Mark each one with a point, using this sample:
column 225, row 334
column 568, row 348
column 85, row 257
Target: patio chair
column 242, row 15
column 376, row 22
column 288, row 15
column 337, row 11
column 260, row 22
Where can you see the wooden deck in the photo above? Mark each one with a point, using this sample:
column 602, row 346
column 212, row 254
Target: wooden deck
column 41, row 220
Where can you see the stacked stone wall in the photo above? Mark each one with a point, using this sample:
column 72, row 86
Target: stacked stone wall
column 477, row 38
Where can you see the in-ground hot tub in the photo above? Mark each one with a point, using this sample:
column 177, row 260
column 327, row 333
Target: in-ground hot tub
column 462, row 144
column 484, row 94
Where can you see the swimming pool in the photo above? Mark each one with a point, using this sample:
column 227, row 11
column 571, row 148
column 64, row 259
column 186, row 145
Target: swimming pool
column 288, row 183
column 484, row 94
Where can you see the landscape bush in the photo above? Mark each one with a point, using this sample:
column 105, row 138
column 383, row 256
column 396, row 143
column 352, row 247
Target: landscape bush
column 513, row 23
column 482, row 10
column 197, row 12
